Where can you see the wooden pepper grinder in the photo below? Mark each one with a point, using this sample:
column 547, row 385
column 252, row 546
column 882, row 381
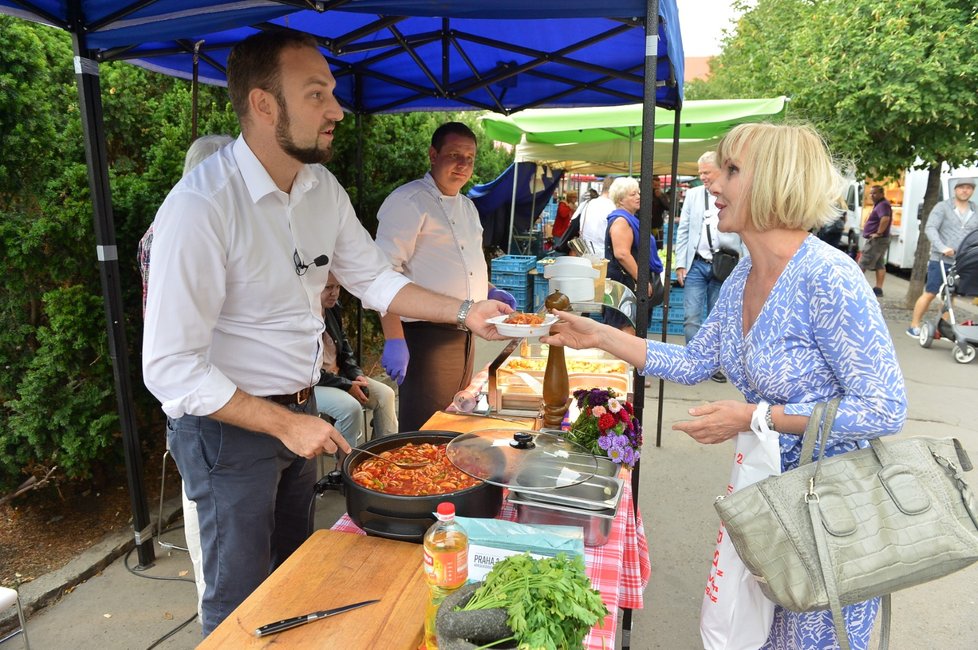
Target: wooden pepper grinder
column 556, row 386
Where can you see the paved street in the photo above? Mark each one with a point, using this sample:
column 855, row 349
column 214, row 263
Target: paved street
column 679, row 481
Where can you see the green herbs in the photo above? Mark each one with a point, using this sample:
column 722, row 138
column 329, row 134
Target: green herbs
column 550, row 603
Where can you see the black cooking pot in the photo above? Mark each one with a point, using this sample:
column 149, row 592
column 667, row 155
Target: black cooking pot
column 405, row 518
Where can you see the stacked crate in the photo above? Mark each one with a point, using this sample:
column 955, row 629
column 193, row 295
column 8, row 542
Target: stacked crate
column 677, row 314
column 511, row 273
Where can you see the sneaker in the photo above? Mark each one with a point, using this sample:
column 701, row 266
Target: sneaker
column 878, row 292
column 719, row 377
column 913, row 332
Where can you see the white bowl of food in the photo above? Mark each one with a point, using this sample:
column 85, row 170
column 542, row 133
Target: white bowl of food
column 522, row 325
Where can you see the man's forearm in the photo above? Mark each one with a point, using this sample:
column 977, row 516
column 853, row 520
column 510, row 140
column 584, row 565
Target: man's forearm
column 415, row 302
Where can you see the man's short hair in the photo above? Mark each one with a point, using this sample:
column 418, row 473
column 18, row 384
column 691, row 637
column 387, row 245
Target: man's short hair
column 451, row 128
column 789, row 178
column 606, row 184
column 254, row 63
column 708, row 157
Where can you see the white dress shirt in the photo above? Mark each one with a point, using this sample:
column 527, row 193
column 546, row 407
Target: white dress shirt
column 435, row 240
column 594, row 222
column 226, row 308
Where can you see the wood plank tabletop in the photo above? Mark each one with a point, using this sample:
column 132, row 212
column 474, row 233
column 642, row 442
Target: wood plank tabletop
column 329, row 570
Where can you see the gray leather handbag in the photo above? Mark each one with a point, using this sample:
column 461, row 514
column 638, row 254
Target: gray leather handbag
column 858, row 525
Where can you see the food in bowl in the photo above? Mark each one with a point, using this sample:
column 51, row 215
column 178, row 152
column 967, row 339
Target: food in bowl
column 522, row 318
column 439, row 477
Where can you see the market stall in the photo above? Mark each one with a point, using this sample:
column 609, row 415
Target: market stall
column 342, row 566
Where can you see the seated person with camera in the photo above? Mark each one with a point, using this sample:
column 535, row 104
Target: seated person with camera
column 343, row 390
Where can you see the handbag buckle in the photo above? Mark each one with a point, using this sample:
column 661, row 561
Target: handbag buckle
column 812, row 495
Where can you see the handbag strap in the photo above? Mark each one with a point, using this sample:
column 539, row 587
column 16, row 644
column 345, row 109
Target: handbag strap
column 819, row 427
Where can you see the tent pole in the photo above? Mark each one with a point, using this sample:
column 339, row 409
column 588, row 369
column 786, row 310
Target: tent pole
column 673, row 205
column 358, row 121
column 195, row 92
column 512, row 206
column 644, row 231
column 93, row 131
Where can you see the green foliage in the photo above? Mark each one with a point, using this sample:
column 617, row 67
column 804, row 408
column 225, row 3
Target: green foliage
column 891, row 85
column 887, row 83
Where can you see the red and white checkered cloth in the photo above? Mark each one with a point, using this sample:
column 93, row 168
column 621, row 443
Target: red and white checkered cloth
column 620, row 569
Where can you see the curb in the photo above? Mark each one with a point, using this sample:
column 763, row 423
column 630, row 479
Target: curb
column 50, row 587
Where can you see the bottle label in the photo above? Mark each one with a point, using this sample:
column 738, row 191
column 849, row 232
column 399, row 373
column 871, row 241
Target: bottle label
column 446, row 568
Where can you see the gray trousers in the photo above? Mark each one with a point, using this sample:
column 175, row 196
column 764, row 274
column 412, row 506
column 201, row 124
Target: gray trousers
column 440, row 366
column 253, row 500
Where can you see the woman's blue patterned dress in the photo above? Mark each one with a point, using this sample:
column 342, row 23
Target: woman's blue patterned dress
column 819, row 335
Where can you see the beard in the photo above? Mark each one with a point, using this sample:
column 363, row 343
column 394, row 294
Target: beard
column 306, row 155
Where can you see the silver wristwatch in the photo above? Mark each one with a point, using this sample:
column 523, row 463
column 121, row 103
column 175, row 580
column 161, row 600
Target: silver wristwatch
column 463, row 312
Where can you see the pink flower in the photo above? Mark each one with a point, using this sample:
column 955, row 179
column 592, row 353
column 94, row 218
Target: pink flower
column 600, row 410
column 614, row 405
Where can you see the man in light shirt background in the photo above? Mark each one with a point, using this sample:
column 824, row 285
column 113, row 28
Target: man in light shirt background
column 431, row 233
column 697, row 238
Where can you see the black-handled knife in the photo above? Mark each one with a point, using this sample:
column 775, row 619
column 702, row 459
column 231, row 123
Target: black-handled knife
column 296, row 621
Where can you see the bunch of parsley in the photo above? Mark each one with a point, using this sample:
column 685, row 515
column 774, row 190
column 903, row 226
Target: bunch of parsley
column 550, row 602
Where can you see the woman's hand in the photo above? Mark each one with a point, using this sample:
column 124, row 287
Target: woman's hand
column 717, row 421
column 574, row 332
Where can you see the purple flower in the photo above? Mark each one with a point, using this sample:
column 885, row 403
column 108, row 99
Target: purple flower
column 605, row 442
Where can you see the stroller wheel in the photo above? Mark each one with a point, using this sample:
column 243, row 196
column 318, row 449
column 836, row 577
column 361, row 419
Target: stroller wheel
column 926, row 335
column 967, row 355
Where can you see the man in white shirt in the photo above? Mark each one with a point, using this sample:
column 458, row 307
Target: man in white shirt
column 594, row 218
column 432, row 234
column 697, row 238
column 232, row 345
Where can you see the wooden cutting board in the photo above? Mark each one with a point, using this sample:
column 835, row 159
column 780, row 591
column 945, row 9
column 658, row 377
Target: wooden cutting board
column 330, row 570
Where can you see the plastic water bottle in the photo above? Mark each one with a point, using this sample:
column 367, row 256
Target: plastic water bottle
column 446, row 564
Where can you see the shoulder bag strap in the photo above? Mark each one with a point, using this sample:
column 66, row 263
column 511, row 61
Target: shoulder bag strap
column 820, row 424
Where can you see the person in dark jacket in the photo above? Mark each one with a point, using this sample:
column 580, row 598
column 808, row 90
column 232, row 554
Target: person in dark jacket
column 343, row 390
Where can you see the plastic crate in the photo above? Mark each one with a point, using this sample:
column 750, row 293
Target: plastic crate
column 513, row 263
column 655, row 327
column 502, row 278
column 523, row 296
column 543, row 263
column 677, row 313
column 541, row 289
column 676, row 297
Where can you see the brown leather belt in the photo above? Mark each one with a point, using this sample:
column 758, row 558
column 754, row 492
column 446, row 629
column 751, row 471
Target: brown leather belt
column 300, row 397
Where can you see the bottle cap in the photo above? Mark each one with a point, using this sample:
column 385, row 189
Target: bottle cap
column 446, row 510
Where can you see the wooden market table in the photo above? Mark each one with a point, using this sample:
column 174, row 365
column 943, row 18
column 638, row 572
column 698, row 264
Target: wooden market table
column 334, row 568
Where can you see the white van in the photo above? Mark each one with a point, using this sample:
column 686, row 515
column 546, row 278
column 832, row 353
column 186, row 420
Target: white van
column 906, row 195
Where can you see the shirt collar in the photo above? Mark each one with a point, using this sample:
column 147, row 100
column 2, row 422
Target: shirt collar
column 257, row 179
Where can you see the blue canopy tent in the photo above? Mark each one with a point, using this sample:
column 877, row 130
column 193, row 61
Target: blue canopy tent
column 521, row 191
column 388, row 55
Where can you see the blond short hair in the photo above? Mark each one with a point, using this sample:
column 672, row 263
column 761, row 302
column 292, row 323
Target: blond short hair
column 791, row 180
column 620, row 188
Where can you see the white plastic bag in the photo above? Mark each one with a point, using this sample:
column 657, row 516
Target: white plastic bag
column 735, row 614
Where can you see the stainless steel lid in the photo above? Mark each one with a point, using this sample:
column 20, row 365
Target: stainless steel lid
column 522, row 460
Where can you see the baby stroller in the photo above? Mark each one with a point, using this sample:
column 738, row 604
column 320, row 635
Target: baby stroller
column 961, row 280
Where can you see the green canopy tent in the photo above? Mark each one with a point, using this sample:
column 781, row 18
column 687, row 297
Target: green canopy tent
column 608, row 136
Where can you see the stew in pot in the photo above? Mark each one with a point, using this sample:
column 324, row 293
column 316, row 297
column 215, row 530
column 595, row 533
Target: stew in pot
column 440, row 477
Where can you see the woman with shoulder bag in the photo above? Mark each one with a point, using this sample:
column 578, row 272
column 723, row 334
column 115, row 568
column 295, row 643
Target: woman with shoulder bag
column 795, row 324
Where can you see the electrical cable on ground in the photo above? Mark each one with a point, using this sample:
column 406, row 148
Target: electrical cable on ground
column 182, row 625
